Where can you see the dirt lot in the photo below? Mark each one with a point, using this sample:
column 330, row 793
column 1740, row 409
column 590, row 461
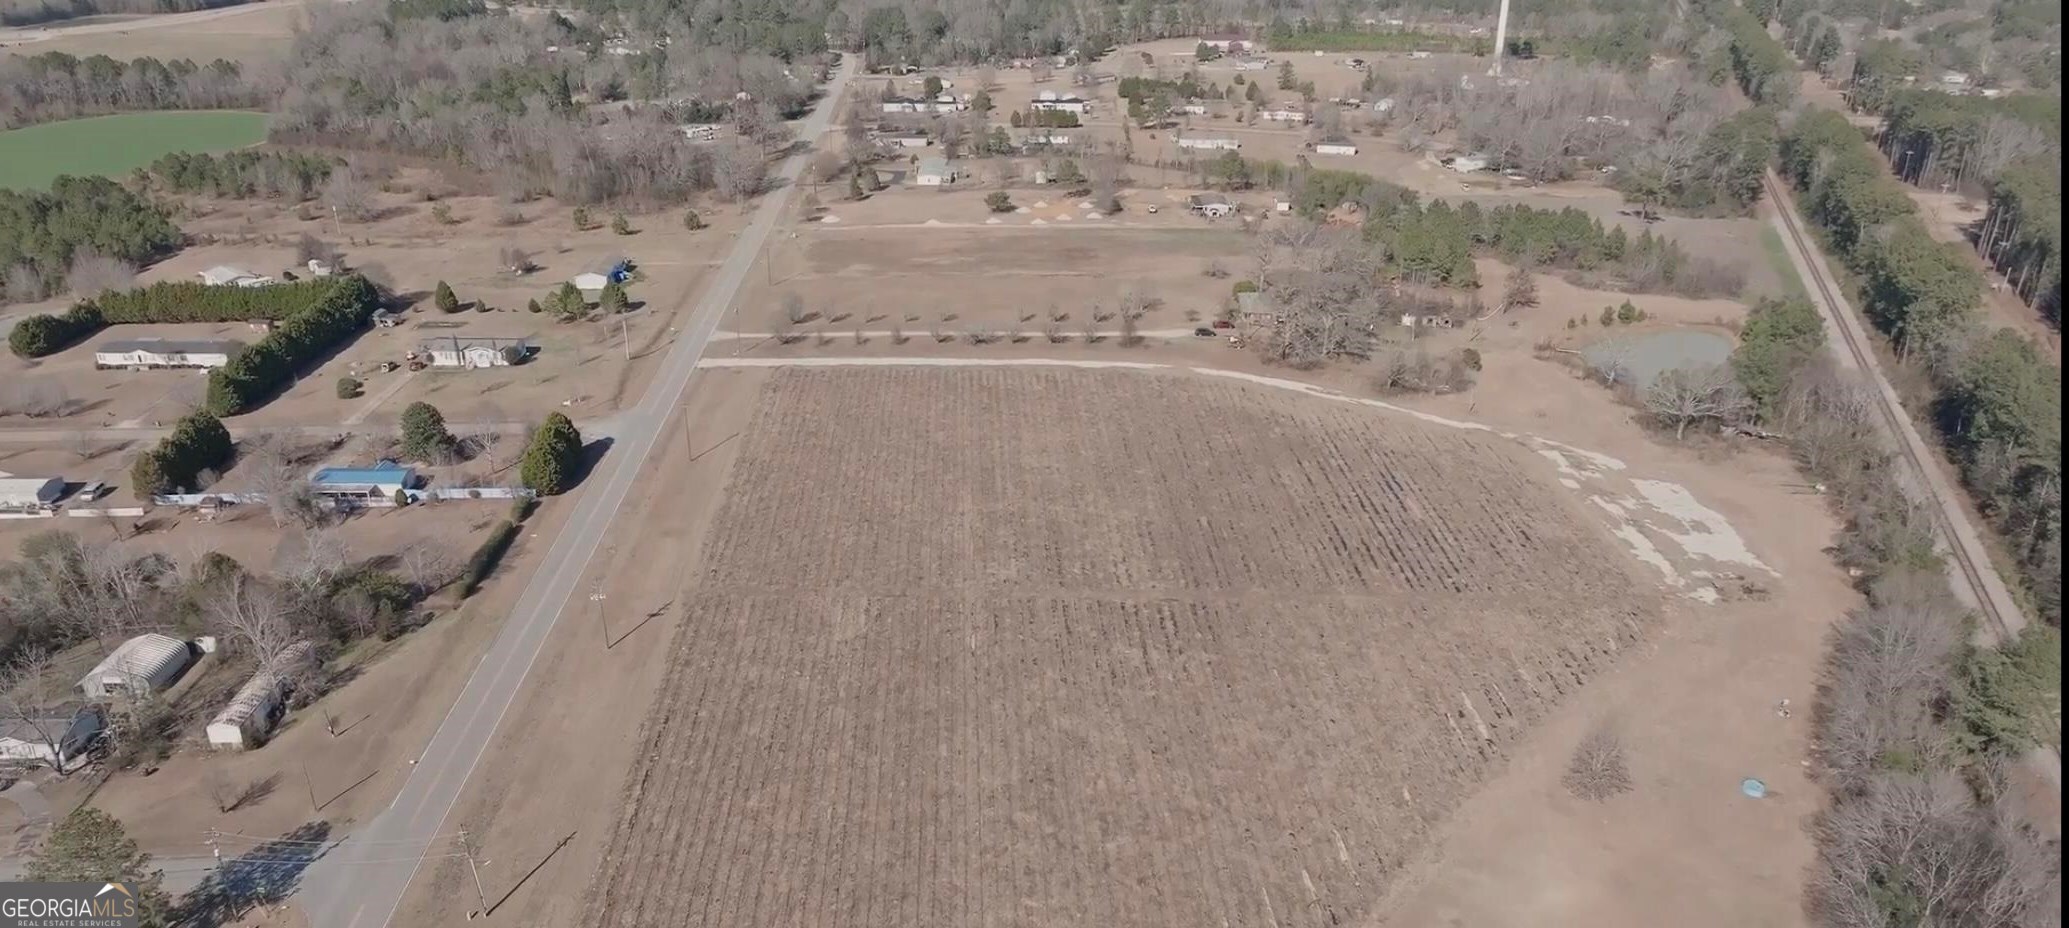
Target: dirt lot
column 581, row 368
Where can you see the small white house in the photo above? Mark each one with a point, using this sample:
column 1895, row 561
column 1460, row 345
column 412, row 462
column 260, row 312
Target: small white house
column 1046, row 138
column 1467, row 164
column 1050, row 102
column 701, row 132
column 1283, row 113
column 52, row 739
column 146, row 353
column 1210, row 205
column 935, row 172
column 473, row 352
column 380, row 481
column 1335, row 148
column 258, row 704
column 223, row 275
column 1200, row 142
column 138, row 667
column 30, row 492
column 1191, row 109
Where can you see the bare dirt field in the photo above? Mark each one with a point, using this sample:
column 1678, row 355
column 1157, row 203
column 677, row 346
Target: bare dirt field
column 255, row 33
column 1027, row 666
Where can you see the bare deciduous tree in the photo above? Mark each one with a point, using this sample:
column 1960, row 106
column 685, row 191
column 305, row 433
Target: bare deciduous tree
column 349, row 195
column 22, row 681
column 1682, row 397
column 92, row 273
column 1598, row 770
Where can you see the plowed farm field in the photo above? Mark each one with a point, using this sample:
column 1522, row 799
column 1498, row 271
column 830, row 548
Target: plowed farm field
column 1027, row 647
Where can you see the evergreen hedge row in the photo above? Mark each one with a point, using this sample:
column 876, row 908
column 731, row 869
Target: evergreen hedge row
column 298, row 340
column 47, row 334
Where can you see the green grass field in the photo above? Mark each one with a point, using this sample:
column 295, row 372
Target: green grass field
column 112, row 145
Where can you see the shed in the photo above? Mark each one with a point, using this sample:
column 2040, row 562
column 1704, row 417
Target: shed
column 159, row 353
column 469, row 352
column 138, row 667
column 51, row 739
column 377, row 482
column 30, row 492
column 936, row 172
column 259, row 703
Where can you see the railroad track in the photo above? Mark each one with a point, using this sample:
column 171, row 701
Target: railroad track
column 2005, row 621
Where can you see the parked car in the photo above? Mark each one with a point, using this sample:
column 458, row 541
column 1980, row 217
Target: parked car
column 1224, row 324
column 1203, row 332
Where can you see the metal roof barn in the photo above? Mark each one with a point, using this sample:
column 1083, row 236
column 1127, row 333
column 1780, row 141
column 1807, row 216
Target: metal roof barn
column 140, row 666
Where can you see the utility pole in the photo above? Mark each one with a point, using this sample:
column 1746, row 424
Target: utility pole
column 1501, row 38
column 467, row 846
column 311, row 784
column 596, row 595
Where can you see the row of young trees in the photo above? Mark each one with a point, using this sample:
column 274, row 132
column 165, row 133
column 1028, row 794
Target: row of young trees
column 41, row 231
column 54, row 85
column 263, row 367
column 1999, row 401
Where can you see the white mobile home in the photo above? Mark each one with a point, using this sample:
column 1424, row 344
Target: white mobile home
column 1049, row 101
column 701, row 132
column 148, row 353
column 258, row 704
column 223, row 275
column 30, row 492
column 1335, row 148
column 1283, row 114
column 138, row 667
column 470, row 352
column 1197, row 142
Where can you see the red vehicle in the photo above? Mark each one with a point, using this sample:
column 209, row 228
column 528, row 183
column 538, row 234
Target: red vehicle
column 1224, row 324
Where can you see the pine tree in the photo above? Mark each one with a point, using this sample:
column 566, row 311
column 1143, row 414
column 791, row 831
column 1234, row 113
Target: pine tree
column 442, row 296
column 613, row 300
column 552, row 457
column 567, row 301
column 692, row 221
column 855, row 186
column 424, row 435
column 91, row 846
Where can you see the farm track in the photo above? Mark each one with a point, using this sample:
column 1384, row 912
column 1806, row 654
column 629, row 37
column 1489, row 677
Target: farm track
column 1150, row 656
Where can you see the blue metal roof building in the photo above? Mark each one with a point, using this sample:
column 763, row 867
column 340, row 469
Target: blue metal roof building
column 378, row 481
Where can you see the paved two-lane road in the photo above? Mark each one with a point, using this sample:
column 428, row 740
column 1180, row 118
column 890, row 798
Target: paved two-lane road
column 360, row 883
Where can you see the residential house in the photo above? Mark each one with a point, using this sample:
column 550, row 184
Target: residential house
column 17, row 493
column 1210, row 205
column 1039, row 138
column 904, row 139
column 223, row 275
column 472, row 352
column 1204, row 142
column 380, row 481
column 1284, row 112
column 145, row 353
column 51, row 739
column 1255, row 309
column 1050, row 101
column 701, row 132
column 1231, row 43
column 935, row 172
column 1191, row 109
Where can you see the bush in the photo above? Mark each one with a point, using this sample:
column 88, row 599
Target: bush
column 1244, row 286
column 198, row 442
column 552, row 457
column 581, row 219
column 999, row 202
column 613, row 299
column 692, row 221
column 1470, row 357
column 486, row 557
column 348, row 387
column 443, row 297
column 621, row 225
column 1628, row 313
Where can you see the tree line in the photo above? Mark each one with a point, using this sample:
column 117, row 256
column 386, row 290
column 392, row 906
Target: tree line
column 33, row 12
column 54, row 85
column 1913, row 726
column 238, row 175
column 41, row 231
column 1998, row 403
